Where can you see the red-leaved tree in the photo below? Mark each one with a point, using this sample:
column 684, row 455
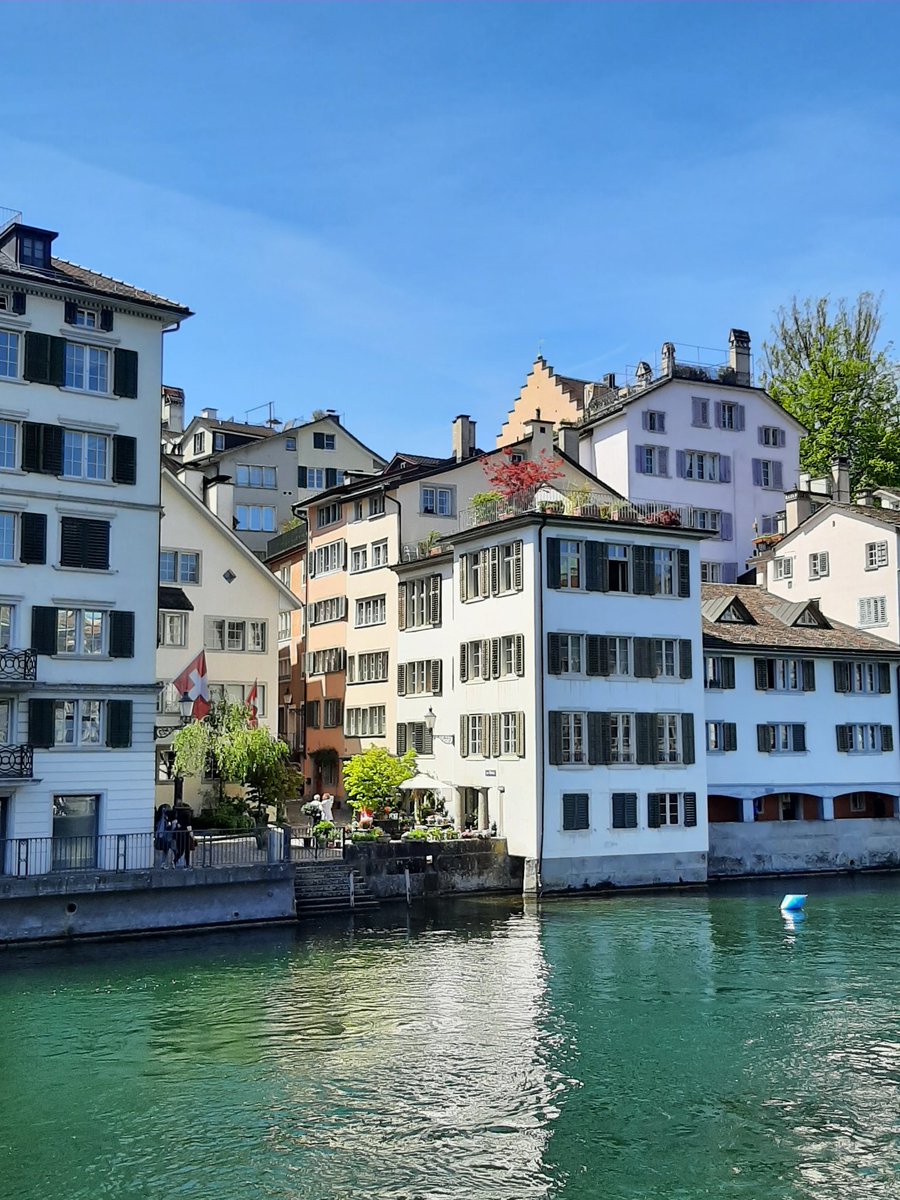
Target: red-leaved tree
column 512, row 478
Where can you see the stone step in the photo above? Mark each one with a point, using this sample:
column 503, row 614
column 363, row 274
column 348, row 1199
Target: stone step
column 324, row 907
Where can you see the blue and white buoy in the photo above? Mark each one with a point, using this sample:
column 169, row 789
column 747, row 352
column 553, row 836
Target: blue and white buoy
column 793, row 903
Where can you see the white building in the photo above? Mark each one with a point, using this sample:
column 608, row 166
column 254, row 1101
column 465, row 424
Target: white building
column 557, row 718
column 703, row 438
column 215, row 595
column 801, row 717
column 80, row 359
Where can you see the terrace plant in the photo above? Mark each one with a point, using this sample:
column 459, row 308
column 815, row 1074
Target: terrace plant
column 512, row 479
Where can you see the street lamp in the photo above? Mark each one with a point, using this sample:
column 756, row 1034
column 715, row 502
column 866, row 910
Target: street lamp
column 186, row 710
column 428, row 720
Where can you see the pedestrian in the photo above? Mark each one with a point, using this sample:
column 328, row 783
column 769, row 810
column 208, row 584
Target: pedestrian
column 180, row 838
column 162, row 839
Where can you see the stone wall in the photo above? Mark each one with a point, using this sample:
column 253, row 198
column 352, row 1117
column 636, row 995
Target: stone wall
column 436, row 868
column 787, row 847
column 94, row 903
column 617, row 870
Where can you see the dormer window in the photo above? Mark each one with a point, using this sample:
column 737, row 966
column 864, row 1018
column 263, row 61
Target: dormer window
column 732, row 616
column 85, row 318
column 34, row 251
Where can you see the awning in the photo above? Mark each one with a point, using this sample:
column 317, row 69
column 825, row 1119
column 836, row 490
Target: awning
column 425, row 783
column 172, row 599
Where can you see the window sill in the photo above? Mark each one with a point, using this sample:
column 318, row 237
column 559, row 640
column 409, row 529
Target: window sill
column 86, row 335
column 72, row 391
column 81, row 657
column 84, row 570
column 14, row 379
column 439, row 516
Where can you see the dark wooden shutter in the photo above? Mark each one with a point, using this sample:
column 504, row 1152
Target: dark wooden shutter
column 884, row 677
column 643, row 658
column 19, row 302
column 653, row 810
column 595, row 737
column 798, row 737
column 764, row 738
column 842, row 737
column 684, row 573
column 597, row 568
column 84, row 543
column 619, row 810
column 887, row 737
column 576, row 813
column 645, row 730
column 31, row 446
column 301, row 477
column 401, row 679
column 125, row 374
column 553, row 653
column 761, row 674
column 401, row 738
column 435, row 599
column 463, row 736
column 70, row 314
column 40, row 724
column 37, row 357
column 685, row 664
column 727, row 672
column 33, row 541
column 43, row 629
column 118, row 723
column 57, row 361
column 553, row 563
column 121, row 634
column 330, row 477
column 597, row 654
column 495, row 658
column 555, row 737
column 729, row 739
column 690, row 808
column 401, row 606
column 106, row 320
column 124, row 459
column 688, row 754
column 436, row 672
column 809, row 675
column 52, row 449
column 642, row 573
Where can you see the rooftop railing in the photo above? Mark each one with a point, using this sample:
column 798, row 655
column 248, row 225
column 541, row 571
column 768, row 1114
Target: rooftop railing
column 579, row 502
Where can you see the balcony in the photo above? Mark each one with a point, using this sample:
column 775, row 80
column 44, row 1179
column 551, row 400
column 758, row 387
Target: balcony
column 285, row 543
column 18, row 666
column 580, row 502
column 16, row 762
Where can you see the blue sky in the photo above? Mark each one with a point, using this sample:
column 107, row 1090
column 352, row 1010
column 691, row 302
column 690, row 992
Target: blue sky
column 388, row 208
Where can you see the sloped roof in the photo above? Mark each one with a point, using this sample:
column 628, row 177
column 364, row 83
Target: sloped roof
column 771, row 632
column 61, row 273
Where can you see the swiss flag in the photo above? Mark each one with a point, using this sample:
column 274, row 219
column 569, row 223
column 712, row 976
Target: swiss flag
column 253, row 705
column 193, row 680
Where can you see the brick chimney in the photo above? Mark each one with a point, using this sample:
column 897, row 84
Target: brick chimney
column 463, row 437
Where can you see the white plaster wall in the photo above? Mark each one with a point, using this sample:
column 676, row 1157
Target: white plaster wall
column 822, row 770
column 844, row 536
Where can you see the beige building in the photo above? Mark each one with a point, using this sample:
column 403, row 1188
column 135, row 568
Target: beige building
column 556, row 398
column 215, row 596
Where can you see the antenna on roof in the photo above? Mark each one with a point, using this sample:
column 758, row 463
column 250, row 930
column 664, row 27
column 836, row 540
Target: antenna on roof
column 271, row 420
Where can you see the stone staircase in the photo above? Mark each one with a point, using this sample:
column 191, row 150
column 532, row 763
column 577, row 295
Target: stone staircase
column 324, row 887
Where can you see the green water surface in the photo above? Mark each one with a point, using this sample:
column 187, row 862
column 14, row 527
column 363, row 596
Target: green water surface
column 677, row 1046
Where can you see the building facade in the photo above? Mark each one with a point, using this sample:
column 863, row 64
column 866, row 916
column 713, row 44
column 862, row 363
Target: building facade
column 80, row 358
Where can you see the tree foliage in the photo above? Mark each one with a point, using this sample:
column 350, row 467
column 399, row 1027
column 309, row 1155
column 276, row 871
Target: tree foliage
column 824, row 366
column 239, row 753
column 514, row 478
column 373, row 778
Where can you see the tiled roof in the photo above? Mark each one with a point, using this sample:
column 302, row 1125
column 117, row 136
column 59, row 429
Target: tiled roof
column 238, row 427
column 887, row 516
column 173, row 599
column 771, row 632
column 65, row 274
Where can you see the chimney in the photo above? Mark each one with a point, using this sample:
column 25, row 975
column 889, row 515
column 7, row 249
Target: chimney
column 173, row 409
column 840, row 479
column 210, row 414
column 739, row 356
column 539, row 432
column 610, row 380
column 567, row 441
column 797, row 507
column 668, row 358
column 643, row 374
column 866, row 498
column 463, row 437
column 334, row 415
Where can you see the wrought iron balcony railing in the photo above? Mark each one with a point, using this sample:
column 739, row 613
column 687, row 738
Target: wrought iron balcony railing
column 16, row 762
column 18, row 666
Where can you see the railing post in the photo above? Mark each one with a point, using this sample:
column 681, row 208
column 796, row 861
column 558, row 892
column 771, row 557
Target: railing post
column 121, row 851
column 22, row 856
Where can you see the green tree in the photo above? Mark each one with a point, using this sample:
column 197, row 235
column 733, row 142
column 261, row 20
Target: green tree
column 240, row 754
column 823, row 364
column 373, row 778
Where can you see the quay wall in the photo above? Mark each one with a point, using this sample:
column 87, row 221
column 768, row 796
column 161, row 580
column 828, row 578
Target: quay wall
column 797, row 847
column 436, row 868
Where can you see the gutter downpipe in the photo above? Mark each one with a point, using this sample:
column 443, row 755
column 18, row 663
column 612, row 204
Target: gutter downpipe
column 540, row 665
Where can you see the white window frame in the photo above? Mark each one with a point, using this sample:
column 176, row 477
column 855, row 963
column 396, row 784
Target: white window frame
column 80, row 707
column 865, row 737
column 571, row 562
column 656, row 421
column 783, row 567
column 169, row 622
column 380, row 553
column 84, row 351
column 255, row 475
column 13, row 355
column 85, row 438
column 622, row 749
column 436, row 501
column 182, row 558
column 701, row 466
column 79, row 632
column 13, row 520
column 571, row 649
column 370, row 610
column 819, row 564
column 872, row 611
column 876, row 555
column 324, row 441
column 284, row 625
column 710, row 572
column 246, row 514
column 359, row 559
column 668, row 738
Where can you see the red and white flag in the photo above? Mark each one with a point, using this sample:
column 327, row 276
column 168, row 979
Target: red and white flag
column 193, row 680
column 253, row 705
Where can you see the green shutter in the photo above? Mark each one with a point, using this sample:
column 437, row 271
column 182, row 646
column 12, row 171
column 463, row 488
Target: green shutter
column 690, row 808
column 842, row 737
column 37, row 357
column 43, row 629
column 121, row 634
column 401, row 606
column 809, row 675
column 401, row 738
column 688, row 755
column 40, row 723
column 401, row 679
column 463, row 736
column 124, row 459
column 435, row 676
column 57, row 361
column 31, row 446
column 764, row 738
column 685, row 664
column 125, row 374
column 595, row 738
column 553, row 653
column 730, row 735
column 517, row 566
column 841, row 676
column 33, row 542
column 798, row 737
column 761, row 674
column 519, row 653
column 597, row 654
column 597, row 567
column 52, row 449
column 644, row 667
column 643, row 574
column 653, row 810
column 555, row 737
column 553, row 563
column 645, row 730
column 684, row 573
column 727, row 672
column 618, row 810
column 463, row 661
column 435, row 599
column 118, row 724
column 495, row 735
column 887, row 737
column 520, row 734
column 884, row 677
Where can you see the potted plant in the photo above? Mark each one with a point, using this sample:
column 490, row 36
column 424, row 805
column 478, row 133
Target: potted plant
column 323, row 832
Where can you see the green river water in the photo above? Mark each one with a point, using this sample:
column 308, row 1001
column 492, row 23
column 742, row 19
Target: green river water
column 676, row 1046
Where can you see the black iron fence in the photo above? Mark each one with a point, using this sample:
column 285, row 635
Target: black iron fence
column 18, row 666
column 16, row 762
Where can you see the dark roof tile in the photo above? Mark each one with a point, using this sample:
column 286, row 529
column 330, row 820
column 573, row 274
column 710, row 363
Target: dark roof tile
column 61, row 273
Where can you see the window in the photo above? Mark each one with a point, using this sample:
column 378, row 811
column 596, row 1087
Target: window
column 619, row 558
column 818, row 564
column 80, row 631
column 571, row 661
column 239, row 693
column 365, row 722
column 323, row 441
column 511, row 734
column 312, row 477
column 368, row 668
column 85, row 455
column 652, row 460
column 767, row 473
column 6, row 722
column 710, row 572
column 87, row 368
column 7, row 537
column 664, row 572
column 326, row 662
column 9, row 355
column 312, row 714
column 359, row 559
column 730, row 416
column 575, row 811
column 509, row 664
column 573, row 745
column 655, row 422
column 721, row 737
column 332, row 714
column 380, row 554
column 235, row 636
column 784, row 674
column 771, row 435
column 872, row 610
column 709, row 519
column 768, row 524
column 376, row 505
column 77, row 722
column 218, row 441
column 328, row 514
column 420, row 600
column 253, row 476
column 179, row 566
column 284, row 666
column 663, row 808
column 621, row 742
column 510, row 553
column 84, row 543
column 876, row 555
column 783, row 568
column 255, row 517
column 701, row 465
column 6, row 626
column 699, row 412
column 864, row 739
column 668, row 738
column 477, row 734
column 718, row 671
column 8, row 441
column 290, row 443
column 370, row 611
column 618, row 654
column 284, row 626
column 172, row 629
column 665, row 657
column 328, row 558
column 199, row 443
column 437, row 502
column 33, row 251
column 332, row 609
column 571, row 571
column 863, row 678
column 85, row 318
column 781, row 738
